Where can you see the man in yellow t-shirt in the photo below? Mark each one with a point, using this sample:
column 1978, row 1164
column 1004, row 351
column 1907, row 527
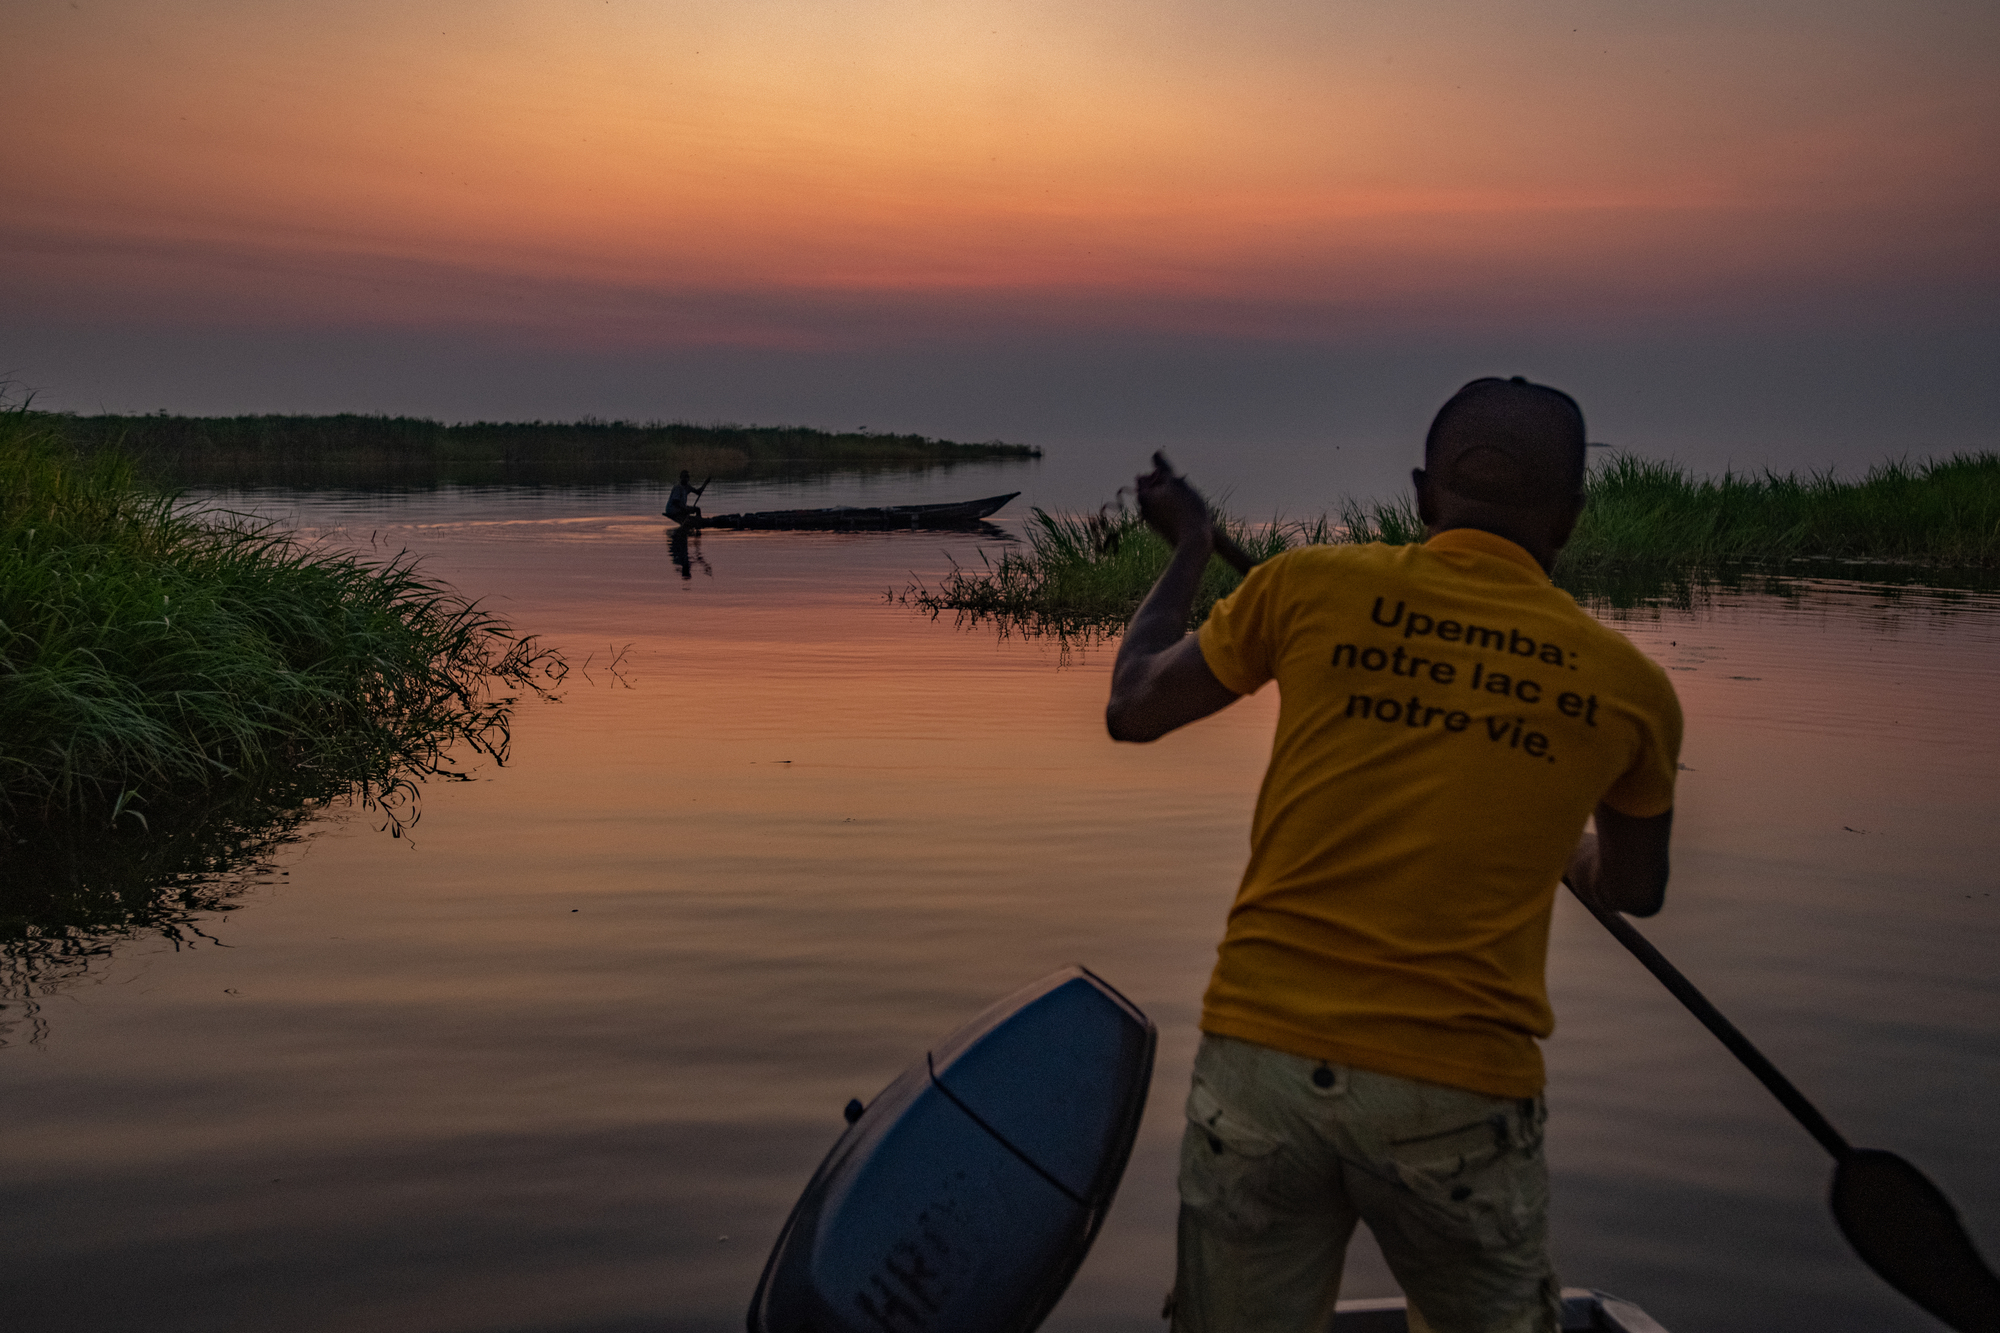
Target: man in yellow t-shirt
column 1448, row 721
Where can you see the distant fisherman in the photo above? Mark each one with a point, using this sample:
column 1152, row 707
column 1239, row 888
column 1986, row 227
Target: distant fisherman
column 1369, row 1036
column 679, row 508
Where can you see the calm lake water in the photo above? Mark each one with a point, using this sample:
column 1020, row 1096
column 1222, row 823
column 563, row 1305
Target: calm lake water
column 563, row 1059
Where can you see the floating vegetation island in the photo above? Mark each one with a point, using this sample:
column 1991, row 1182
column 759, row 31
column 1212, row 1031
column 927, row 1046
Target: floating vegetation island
column 377, row 450
column 1646, row 524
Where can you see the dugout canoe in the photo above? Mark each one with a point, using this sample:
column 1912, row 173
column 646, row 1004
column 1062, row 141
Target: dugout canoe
column 853, row 518
column 1584, row 1311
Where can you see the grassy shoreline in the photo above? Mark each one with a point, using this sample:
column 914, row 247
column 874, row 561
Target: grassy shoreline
column 156, row 659
column 1945, row 512
column 1645, row 522
column 318, row 450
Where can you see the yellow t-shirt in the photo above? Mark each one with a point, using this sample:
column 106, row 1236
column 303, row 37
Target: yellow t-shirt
column 1448, row 719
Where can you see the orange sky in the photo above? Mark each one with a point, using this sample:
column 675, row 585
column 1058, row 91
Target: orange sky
column 628, row 171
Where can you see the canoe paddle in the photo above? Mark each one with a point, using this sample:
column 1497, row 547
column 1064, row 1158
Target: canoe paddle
column 1900, row 1224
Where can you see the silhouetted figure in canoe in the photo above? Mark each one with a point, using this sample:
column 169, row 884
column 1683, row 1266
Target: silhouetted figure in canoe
column 685, row 559
column 681, row 507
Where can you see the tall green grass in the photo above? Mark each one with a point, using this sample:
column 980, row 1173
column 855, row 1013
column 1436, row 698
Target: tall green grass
column 1645, row 524
column 1945, row 512
column 155, row 658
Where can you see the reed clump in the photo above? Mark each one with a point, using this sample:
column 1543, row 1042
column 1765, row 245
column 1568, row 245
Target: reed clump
column 154, row 657
column 1945, row 512
column 1084, row 572
column 1645, row 524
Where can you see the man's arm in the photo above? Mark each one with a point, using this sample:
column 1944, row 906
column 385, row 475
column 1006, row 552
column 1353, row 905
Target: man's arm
column 1160, row 680
column 1623, row 866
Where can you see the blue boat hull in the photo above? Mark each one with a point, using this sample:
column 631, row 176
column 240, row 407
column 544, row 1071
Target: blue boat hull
column 966, row 1195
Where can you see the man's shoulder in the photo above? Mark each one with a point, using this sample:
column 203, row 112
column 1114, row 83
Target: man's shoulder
column 1327, row 558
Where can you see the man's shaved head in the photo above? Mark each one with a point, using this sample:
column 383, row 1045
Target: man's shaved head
column 1508, row 443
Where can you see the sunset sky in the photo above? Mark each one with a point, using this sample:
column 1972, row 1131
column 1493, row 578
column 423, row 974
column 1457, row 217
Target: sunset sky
column 1060, row 222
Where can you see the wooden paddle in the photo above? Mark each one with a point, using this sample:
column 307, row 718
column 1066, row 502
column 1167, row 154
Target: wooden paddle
column 1900, row 1224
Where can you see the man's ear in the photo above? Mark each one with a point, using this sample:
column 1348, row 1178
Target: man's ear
column 1426, row 507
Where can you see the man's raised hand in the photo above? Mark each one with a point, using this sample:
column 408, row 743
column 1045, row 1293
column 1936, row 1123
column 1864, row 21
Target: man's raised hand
column 1171, row 507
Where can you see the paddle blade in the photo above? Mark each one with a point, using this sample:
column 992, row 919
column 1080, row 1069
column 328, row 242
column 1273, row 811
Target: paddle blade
column 1904, row 1228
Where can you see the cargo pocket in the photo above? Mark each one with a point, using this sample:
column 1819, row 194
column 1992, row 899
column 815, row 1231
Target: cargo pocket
column 1482, row 1183
column 1229, row 1167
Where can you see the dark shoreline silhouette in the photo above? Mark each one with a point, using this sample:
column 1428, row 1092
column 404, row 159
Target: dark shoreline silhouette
column 367, row 452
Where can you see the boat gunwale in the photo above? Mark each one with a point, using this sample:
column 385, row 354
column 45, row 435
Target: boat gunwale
column 855, row 516
column 1584, row 1311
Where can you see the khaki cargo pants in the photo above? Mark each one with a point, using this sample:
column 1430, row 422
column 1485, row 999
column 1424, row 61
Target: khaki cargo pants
column 1283, row 1155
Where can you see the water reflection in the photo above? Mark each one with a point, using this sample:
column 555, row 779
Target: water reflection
column 1074, row 637
column 534, row 1071
column 1627, row 586
column 79, row 879
column 685, row 552
column 72, row 892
